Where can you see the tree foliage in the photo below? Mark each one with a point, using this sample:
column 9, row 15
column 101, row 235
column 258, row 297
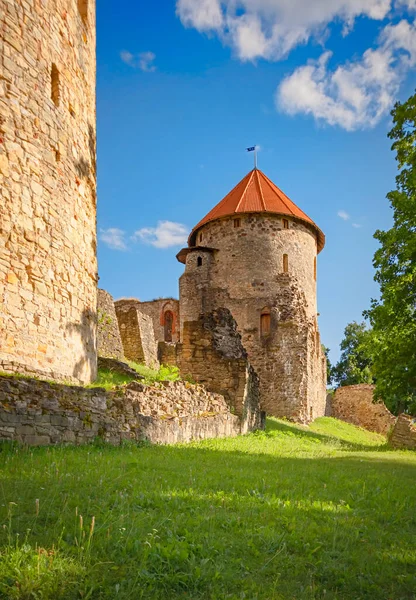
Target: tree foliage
column 393, row 317
column 355, row 363
column 329, row 367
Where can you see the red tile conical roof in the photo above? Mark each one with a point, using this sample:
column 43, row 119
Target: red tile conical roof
column 256, row 193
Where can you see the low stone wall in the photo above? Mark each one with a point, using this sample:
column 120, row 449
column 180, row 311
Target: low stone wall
column 108, row 334
column 404, row 433
column 39, row 413
column 212, row 353
column 354, row 404
column 166, row 353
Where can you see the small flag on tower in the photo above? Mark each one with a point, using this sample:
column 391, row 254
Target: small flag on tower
column 251, row 149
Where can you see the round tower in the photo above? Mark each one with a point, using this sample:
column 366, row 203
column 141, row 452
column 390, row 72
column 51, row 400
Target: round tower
column 48, row 268
column 255, row 253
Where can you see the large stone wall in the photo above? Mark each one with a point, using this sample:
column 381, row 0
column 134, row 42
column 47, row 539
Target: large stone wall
column 212, row 354
column 48, row 268
column 137, row 334
column 108, row 334
column 354, row 404
column 39, row 413
column 404, row 433
column 227, row 272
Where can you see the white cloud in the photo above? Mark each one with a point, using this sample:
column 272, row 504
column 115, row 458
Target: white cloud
column 359, row 93
column 271, row 28
column 357, row 225
column 164, row 235
column 344, row 215
column 114, row 238
column 143, row 61
column 355, row 95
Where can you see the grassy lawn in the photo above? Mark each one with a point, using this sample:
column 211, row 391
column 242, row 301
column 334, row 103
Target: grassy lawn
column 108, row 379
column 296, row 513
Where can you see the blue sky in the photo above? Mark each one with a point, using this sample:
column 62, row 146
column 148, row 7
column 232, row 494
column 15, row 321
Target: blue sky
column 183, row 88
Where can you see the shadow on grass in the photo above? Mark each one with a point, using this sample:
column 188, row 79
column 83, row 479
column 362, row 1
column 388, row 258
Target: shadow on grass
column 215, row 522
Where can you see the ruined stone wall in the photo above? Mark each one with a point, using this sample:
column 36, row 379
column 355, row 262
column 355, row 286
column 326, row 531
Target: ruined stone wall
column 212, row 354
column 156, row 310
column 244, row 272
column 404, row 433
column 166, row 353
column 137, row 335
column 38, row 413
column 354, row 404
column 48, row 269
column 108, row 334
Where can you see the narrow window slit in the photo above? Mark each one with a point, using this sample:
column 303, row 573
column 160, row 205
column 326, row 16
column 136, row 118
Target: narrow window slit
column 55, row 91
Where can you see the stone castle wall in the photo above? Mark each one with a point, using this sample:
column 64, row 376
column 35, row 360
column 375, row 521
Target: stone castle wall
column 212, row 354
column 108, row 334
column 39, row 413
column 48, row 268
column 243, row 269
column 156, row 310
column 404, row 433
column 137, row 334
column 354, row 404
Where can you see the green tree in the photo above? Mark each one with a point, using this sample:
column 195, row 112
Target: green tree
column 355, row 363
column 329, row 367
column 393, row 317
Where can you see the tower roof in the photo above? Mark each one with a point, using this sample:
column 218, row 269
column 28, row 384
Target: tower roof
column 257, row 194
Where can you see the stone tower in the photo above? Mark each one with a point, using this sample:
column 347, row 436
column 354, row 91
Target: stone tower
column 255, row 253
column 48, row 269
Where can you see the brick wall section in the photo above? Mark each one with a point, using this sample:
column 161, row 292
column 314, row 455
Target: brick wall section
column 39, row 413
column 404, row 433
column 48, row 268
column 289, row 359
column 137, row 335
column 354, row 404
column 156, row 309
column 108, row 334
column 212, row 353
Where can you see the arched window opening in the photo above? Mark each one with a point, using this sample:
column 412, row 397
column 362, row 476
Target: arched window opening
column 285, row 224
column 237, row 223
column 168, row 320
column 285, row 263
column 55, row 92
column 83, row 10
column 199, row 261
column 265, row 322
column 200, row 237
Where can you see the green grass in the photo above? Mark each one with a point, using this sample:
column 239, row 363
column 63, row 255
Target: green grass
column 325, row 512
column 108, row 379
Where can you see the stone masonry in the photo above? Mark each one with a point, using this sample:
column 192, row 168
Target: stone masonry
column 404, row 433
column 355, row 404
column 48, row 268
column 227, row 272
column 39, row 413
column 212, row 353
column 164, row 313
column 108, row 334
column 137, row 334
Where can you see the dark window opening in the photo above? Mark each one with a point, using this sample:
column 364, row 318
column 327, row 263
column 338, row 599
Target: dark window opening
column 199, row 261
column 200, row 237
column 55, row 92
column 285, row 263
column 285, row 224
column 237, row 223
column 168, row 319
column 265, row 322
column 314, row 268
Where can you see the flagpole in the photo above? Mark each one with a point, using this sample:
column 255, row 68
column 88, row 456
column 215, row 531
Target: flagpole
column 255, row 157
